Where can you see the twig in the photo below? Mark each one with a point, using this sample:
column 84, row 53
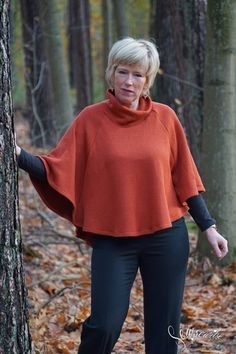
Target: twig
column 136, row 308
column 34, row 105
column 47, row 277
column 45, row 243
column 71, row 277
column 59, row 233
column 61, row 291
column 30, row 242
column 176, row 78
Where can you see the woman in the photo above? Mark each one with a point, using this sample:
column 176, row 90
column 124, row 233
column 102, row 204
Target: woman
column 124, row 176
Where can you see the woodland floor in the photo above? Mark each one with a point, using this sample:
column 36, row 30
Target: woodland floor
column 57, row 273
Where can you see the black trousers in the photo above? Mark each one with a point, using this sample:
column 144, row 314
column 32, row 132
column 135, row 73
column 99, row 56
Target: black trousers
column 162, row 259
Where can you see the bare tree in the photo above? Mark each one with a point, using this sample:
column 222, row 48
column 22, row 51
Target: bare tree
column 107, row 31
column 14, row 329
column 39, row 109
column 219, row 129
column 120, row 18
column 49, row 18
column 80, row 51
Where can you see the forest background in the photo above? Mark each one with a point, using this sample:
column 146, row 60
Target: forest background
column 59, row 52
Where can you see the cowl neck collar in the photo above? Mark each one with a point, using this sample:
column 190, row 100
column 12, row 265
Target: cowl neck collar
column 127, row 116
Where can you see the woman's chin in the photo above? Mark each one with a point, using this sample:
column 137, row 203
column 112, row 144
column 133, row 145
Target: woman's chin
column 130, row 103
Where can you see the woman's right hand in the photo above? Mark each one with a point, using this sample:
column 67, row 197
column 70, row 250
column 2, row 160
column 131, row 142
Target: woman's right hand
column 18, row 149
column 218, row 243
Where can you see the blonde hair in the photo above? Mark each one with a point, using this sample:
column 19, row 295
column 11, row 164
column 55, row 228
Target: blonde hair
column 130, row 51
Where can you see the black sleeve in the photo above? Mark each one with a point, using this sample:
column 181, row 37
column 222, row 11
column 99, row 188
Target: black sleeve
column 199, row 212
column 32, row 164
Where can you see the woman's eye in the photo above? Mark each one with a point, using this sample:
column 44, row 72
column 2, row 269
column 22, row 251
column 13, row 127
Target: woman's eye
column 121, row 72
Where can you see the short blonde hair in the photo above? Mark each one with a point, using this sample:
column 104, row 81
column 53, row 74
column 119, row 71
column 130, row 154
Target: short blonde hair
column 130, row 51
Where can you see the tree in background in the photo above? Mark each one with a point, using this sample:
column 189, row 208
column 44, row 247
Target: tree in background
column 39, row 109
column 49, row 19
column 14, row 329
column 219, row 130
column 80, row 51
column 120, row 18
column 179, row 30
column 107, row 32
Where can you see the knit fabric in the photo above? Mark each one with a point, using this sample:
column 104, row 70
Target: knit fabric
column 120, row 172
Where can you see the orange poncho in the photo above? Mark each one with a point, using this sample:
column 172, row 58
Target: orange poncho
column 120, row 172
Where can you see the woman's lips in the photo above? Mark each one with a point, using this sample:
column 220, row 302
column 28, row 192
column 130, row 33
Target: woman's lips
column 127, row 91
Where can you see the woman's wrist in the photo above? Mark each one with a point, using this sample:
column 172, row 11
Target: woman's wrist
column 211, row 228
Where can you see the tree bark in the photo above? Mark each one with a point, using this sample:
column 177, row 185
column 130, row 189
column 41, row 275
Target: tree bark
column 107, row 33
column 49, row 18
column 14, row 329
column 219, row 130
column 80, row 52
column 179, row 29
column 39, row 109
column 120, row 18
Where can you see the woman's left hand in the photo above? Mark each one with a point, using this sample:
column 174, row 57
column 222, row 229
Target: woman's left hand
column 218, row 243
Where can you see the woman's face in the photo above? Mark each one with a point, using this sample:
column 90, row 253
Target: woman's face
column 128, row 82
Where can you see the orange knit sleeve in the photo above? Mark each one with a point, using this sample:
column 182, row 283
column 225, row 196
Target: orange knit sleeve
column 65, row 166
column 186, row 179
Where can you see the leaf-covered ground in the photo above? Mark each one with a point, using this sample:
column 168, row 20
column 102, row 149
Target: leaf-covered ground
column 57, row 273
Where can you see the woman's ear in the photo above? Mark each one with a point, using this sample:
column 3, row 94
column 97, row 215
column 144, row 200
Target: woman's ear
column 112, row 80
column 146, row 89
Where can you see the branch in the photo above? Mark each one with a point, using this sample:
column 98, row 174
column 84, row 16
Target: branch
column 48, row 276
column 59, row 233
column 176, row 78
column 60, row 292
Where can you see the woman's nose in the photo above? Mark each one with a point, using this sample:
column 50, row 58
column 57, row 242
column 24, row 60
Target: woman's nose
column 129, row 79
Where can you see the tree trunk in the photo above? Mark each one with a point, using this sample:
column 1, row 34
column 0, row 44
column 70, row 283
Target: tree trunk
column 120, row 18
column 219, row 130
column 49, row 18
column 179, row 29
column 80, row 52
column 107, row 33
column 39, row 103
column 14, row 330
